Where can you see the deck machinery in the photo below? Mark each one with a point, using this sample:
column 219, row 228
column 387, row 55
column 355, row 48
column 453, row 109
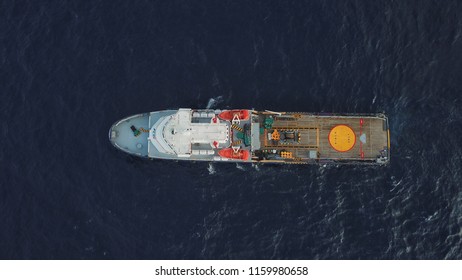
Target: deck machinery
column 255, row 136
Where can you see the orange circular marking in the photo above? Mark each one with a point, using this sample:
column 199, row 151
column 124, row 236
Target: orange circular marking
column 342, row 138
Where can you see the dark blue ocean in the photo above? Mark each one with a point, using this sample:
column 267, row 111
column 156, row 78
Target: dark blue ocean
column 69, row 69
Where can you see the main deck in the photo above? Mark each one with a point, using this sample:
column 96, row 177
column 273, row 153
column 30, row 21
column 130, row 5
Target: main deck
column 324, row 138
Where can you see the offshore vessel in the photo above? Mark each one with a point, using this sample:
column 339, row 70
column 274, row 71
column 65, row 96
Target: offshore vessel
column 255, row 136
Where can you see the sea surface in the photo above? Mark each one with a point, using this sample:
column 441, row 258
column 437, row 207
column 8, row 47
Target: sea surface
column 69, row 69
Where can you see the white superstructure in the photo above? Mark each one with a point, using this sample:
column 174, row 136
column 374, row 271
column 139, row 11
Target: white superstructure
column 176, row 134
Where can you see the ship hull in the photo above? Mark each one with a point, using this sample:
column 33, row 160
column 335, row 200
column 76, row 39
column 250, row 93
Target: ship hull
column 250, row 136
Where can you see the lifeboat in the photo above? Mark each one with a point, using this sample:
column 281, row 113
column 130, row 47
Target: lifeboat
column 230, row 153
column 230, row 115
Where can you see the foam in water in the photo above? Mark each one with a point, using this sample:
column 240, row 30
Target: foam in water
column 240, row 167
column 211, row 169
column 214, row 102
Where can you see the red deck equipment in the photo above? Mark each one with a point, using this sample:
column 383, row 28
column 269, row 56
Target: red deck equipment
column 229, row 153
column 229, row 115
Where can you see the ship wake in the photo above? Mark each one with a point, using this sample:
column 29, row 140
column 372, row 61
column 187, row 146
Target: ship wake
column 213, row 102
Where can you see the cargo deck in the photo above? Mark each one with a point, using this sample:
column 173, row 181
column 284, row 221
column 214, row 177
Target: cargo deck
column 369, row 137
